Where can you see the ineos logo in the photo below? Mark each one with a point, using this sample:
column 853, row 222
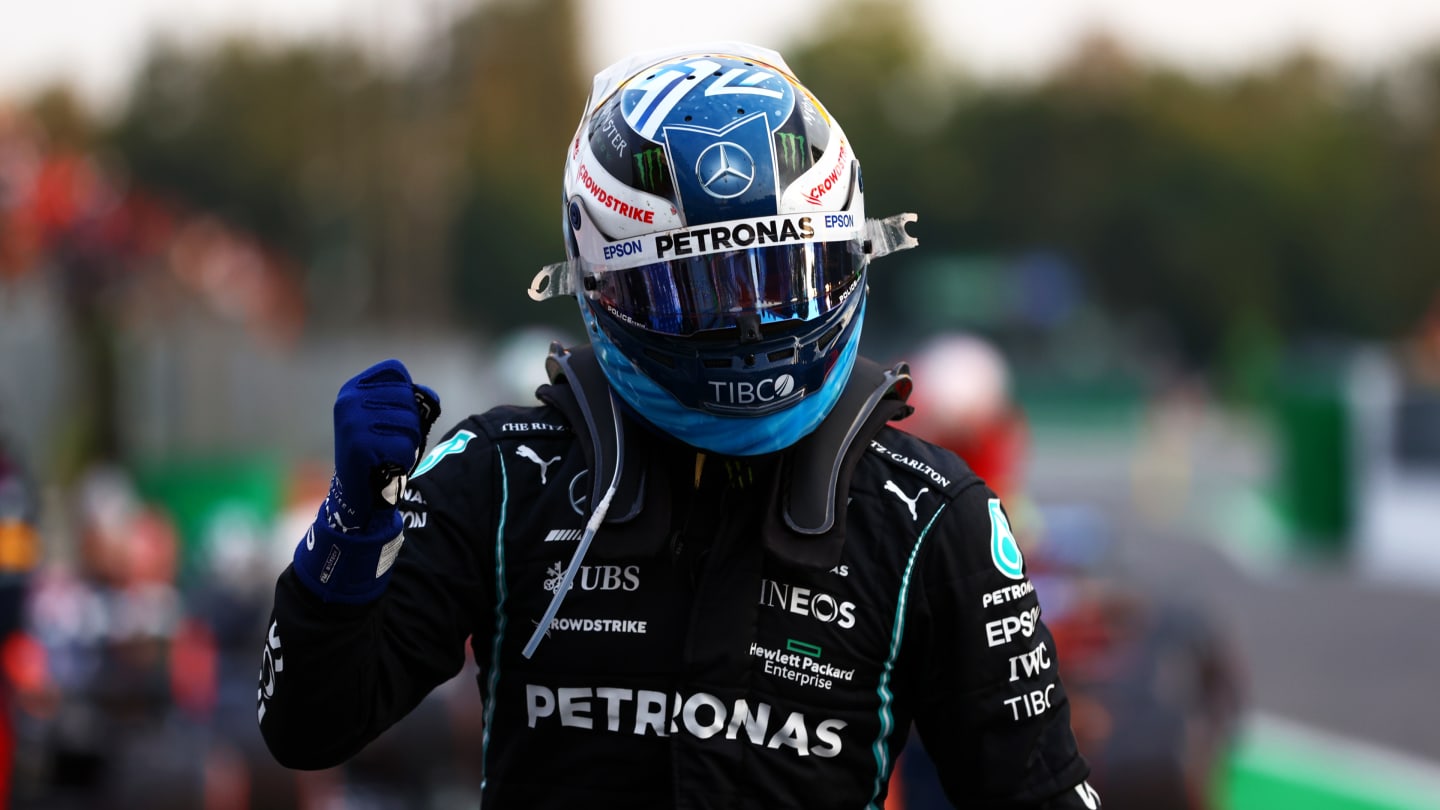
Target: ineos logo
column 808, row 602
column 742, row 392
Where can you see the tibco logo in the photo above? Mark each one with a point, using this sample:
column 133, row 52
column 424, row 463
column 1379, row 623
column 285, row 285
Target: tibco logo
column 740, row 392
column 807, row 602
column 645, row 712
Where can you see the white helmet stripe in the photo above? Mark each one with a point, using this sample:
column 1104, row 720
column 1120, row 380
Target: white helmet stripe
column 599, row 256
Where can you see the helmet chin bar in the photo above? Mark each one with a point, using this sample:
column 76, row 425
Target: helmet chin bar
column 723, row 373
column 882, row 238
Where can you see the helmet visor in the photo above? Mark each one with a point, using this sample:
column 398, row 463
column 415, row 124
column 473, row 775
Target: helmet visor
column 777, row 283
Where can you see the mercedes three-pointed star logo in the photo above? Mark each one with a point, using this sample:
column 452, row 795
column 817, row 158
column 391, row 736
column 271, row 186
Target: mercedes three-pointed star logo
column 725, row 170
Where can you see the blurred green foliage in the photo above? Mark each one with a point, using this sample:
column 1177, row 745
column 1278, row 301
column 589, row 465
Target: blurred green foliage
column 1231, row 214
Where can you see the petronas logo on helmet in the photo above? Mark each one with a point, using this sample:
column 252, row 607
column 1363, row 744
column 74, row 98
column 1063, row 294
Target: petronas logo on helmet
column 791, row 150
column 650, row 170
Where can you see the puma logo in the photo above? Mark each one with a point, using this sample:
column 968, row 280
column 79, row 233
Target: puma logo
column 525, row 452
column 890, row 486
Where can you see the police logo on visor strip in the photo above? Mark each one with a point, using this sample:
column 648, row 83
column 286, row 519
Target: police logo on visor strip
column 725, row 170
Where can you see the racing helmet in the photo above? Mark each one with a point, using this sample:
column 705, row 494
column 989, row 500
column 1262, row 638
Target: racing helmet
column 714, row 223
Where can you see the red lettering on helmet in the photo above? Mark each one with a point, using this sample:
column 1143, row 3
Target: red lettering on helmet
column 831, row 180
column 611, row 202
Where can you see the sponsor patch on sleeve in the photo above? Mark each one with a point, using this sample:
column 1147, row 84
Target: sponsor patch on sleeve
column 1004, row 551
column 451, row 446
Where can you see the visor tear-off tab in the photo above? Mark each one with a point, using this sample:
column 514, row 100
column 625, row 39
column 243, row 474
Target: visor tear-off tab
column 886, row 236
column 552, row 281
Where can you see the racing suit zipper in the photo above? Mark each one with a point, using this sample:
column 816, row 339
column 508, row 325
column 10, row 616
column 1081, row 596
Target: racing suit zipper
column 704, row 498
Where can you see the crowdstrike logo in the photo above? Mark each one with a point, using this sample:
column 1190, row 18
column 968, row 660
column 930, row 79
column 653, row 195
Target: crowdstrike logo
column 610, row 201
column 567, row 625
column 816, row 195
column 725, row 170
column 644, row 712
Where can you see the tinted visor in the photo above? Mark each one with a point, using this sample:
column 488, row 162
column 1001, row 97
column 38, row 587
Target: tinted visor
column 680, row 297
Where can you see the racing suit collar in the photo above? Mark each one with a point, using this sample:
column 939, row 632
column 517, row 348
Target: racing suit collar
column 805, row 506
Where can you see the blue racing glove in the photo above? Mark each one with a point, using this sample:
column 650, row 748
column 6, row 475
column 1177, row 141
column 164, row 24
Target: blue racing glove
column 382, row 420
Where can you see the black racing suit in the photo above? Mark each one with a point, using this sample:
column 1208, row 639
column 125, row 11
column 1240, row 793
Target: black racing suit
column 707, row 655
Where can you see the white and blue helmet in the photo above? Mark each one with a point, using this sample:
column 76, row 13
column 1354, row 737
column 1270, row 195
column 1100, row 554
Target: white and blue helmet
column 714, row 219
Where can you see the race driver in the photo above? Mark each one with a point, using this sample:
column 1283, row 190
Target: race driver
column 705, row 571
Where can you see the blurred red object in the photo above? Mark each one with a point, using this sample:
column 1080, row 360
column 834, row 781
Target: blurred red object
column 964, row 403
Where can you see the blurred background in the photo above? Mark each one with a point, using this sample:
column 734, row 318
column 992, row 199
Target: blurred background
column 1177, row 298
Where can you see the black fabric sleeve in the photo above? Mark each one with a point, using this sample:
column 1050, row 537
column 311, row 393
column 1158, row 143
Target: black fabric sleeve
column 990, row 707
column 334, row 677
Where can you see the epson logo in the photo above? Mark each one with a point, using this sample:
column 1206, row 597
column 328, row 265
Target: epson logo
column 1001, row 631
column 807, row 602
column 730, row 237
column 619, row 249
column 742, row 392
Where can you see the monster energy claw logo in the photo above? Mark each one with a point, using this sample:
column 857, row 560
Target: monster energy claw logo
column 650, row 168
column 792, row 149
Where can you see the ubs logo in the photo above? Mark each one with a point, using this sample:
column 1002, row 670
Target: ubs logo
column 595, row 577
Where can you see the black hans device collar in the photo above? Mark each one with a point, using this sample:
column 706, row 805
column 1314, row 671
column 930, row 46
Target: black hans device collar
column 805, row 515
